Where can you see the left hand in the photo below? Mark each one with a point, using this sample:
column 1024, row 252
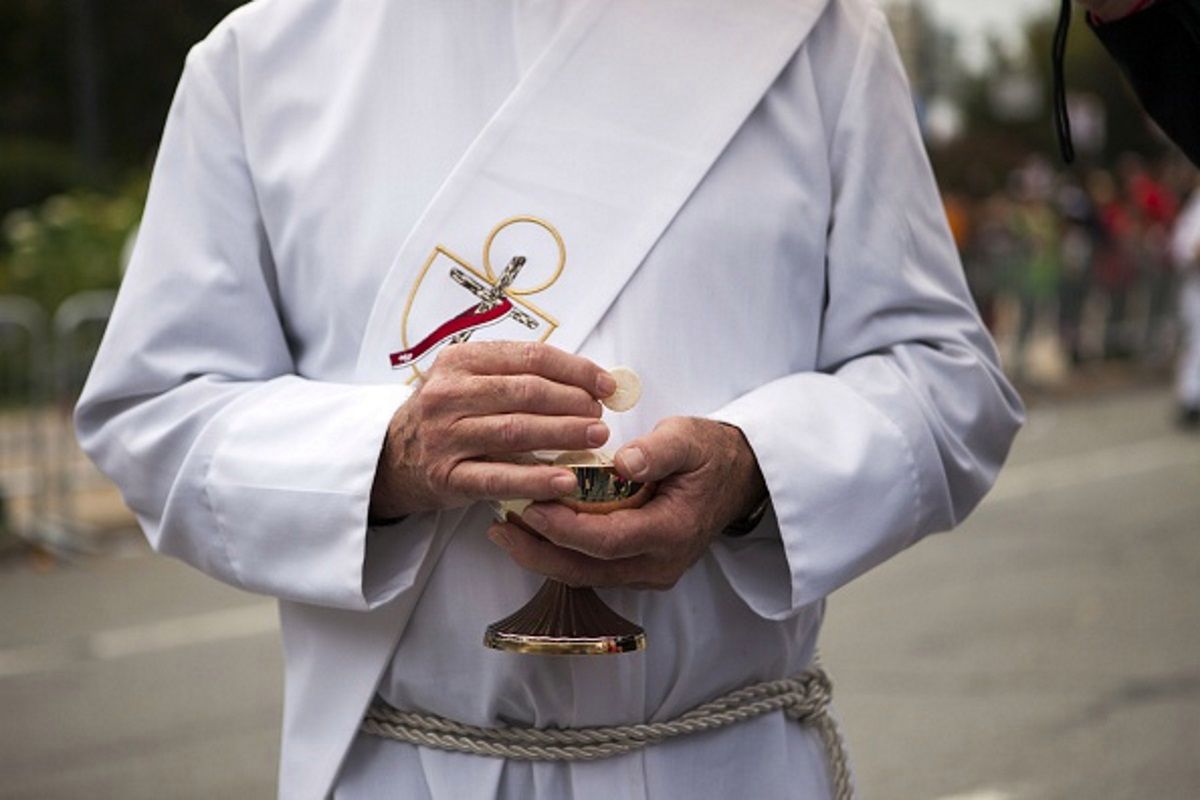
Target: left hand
column 707, row 477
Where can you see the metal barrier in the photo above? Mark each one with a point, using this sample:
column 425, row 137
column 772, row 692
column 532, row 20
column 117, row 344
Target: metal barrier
column 24, row 376
column 43, row 473
column 78, row 327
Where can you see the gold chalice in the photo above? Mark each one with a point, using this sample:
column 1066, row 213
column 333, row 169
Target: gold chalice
column 564, row 620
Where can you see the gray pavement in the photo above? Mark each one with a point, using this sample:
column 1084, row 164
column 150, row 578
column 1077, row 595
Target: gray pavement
column 1047, row 649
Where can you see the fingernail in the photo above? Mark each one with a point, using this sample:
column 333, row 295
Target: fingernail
column 534, row 519
column 597, row 434
column 605, row 385
column 563, row 483
column 634, row 460
column 500, row 538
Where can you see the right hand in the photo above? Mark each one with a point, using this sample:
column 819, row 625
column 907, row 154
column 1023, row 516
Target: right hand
column 488, row 400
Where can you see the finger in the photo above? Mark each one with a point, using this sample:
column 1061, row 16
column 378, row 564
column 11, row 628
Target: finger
column 519, row 433
column 502, row 394
column 568, row 566
column 486, row 480
column 623, row 534
column 670, row 448
column 530, row 358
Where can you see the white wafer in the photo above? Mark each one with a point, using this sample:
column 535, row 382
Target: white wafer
column 629, row 390
column 583, row 458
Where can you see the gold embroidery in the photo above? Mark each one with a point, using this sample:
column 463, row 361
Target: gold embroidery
column 489, row 277
column 562, row 253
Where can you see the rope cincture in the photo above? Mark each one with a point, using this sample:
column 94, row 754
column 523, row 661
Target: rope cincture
column 804, row 699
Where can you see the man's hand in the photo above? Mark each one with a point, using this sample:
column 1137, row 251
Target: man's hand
column 1108, row 10
column 483, row 400
column 707, row 478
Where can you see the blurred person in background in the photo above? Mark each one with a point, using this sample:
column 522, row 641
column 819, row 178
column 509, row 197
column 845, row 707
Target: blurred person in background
column 1157, row 44
column 964, row 216
column 1185, row 248
column 1153, row 206
column 1078, row 245
column 1036, row 225
column 1114, row 264
column 991, row 255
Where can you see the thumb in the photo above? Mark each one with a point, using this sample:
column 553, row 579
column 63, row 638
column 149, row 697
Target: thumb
column 669, row 448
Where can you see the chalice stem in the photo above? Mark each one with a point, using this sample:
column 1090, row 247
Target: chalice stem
column 565, row 620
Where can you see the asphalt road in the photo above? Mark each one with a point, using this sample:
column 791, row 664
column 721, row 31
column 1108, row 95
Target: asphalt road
column 1050, row 648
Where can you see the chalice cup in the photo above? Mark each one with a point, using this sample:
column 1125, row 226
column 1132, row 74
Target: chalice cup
column 566, row 620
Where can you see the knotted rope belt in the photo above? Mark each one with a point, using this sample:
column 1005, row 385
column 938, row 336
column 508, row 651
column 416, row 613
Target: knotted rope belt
column 804, row 698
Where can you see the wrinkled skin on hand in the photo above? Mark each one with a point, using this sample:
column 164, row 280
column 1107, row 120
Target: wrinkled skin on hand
column 707, row 477
column 482, row 401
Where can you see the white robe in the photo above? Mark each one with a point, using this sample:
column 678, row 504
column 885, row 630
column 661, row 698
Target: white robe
column 808, row 291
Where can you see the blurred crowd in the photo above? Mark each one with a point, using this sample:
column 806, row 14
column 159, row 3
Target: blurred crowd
column 1074, row 267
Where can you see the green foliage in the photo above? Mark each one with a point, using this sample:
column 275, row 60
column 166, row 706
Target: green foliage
column 129, row 52
column 69, row 243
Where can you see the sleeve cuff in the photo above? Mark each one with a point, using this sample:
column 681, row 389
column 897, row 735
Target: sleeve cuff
column 845, row 482
column 289, row 484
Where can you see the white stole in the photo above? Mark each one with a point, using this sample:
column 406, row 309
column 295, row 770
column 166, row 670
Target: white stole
column 605, row 138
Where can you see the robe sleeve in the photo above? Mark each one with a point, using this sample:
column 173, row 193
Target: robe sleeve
column 904, row 425
column 231, row 460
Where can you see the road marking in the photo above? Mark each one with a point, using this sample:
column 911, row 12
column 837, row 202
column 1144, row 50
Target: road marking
column 155, row 637
column 982, row 794
column 1095, row 466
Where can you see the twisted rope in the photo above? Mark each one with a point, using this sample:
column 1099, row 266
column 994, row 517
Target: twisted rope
column 804, row 698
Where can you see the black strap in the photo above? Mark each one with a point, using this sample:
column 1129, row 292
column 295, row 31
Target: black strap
column 383, row 522
column 1062, row 119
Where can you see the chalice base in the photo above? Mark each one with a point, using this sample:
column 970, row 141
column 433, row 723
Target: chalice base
column 564, row 621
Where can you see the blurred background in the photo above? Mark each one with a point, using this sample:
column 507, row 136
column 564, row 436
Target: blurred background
column 1048, row 650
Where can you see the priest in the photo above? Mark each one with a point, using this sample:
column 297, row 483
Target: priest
column 389, row 245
